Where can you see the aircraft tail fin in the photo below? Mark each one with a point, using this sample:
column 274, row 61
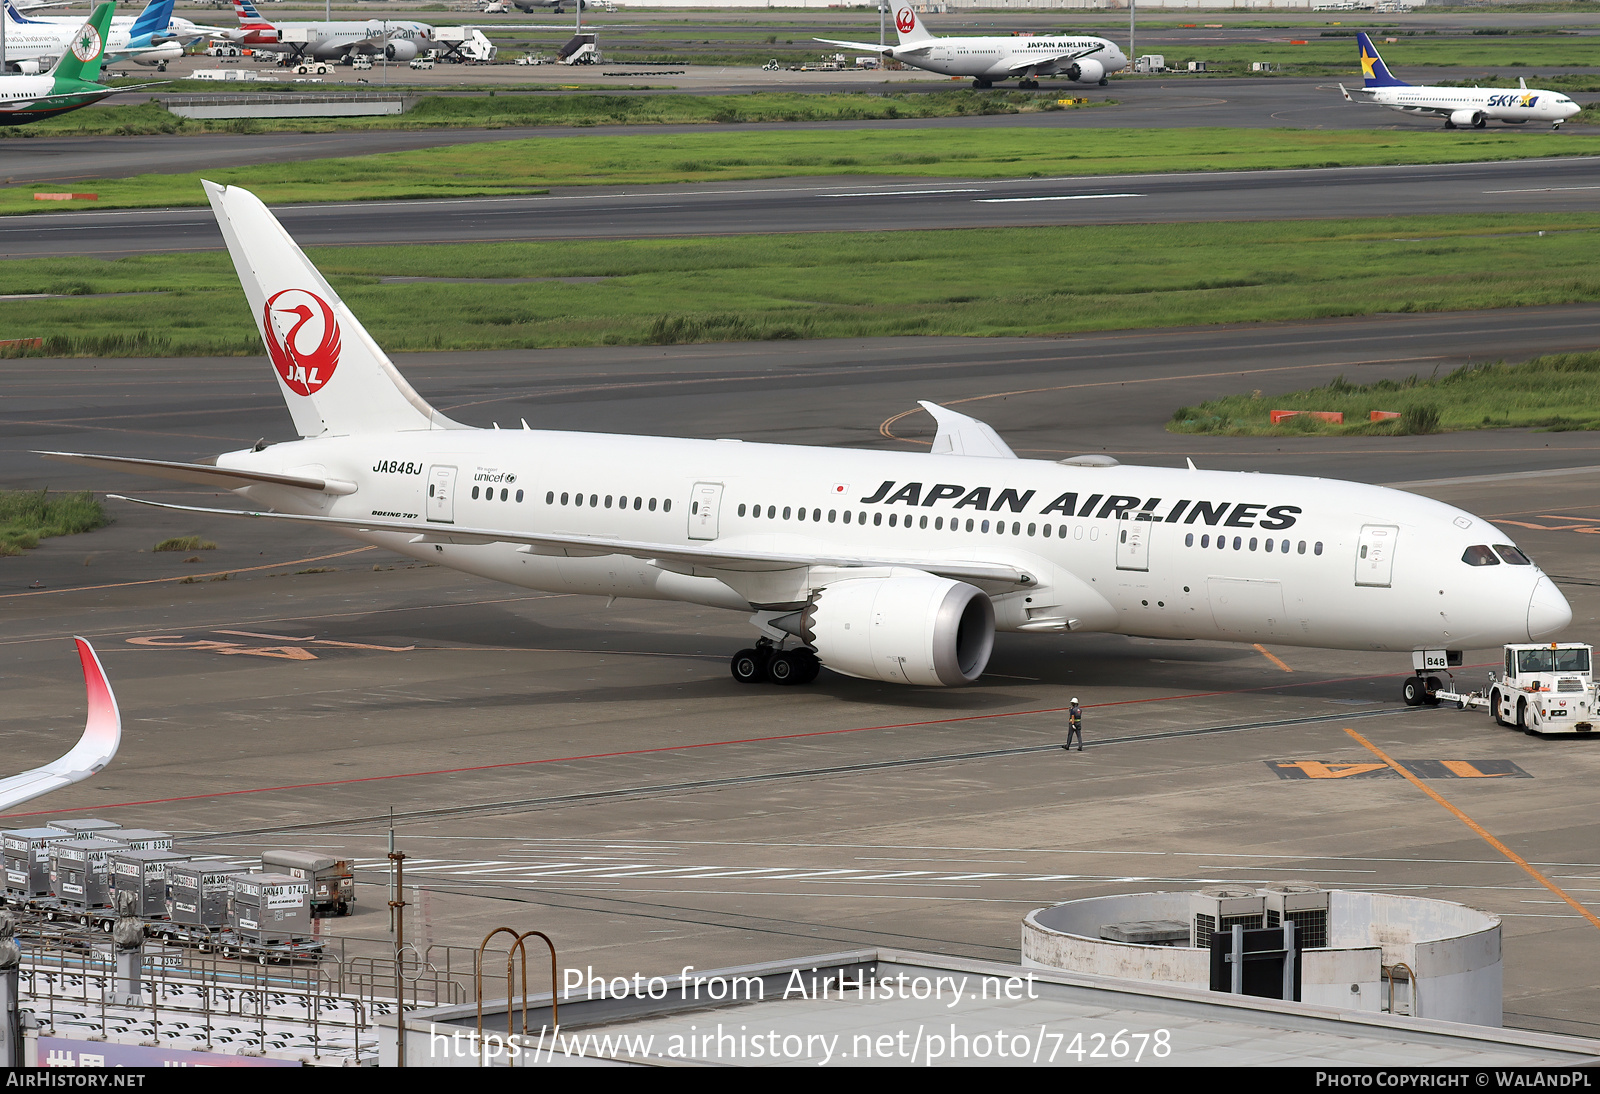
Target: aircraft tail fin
column 333, row 376
column 14, row 16
column 247, row 13
column 153, row 19
column 1374, row 73
column 81, row 59
column 908, row 26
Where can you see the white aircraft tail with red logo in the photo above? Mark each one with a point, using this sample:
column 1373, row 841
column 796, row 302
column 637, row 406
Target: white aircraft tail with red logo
column 909, row 26
column 334, row 377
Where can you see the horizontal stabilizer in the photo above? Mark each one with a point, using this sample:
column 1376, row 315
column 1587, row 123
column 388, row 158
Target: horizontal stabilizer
column 886, row 50
column 201, row 474
column 710, row 556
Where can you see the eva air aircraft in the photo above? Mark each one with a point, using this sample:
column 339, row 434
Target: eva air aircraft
column 1460, row 107
column 67, row 86
column 891, row 566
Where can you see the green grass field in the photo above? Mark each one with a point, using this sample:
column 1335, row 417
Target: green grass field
column 1028, row 281
column 1559, row 392
column 523, row 166
column 27, row 516
column 503, row 108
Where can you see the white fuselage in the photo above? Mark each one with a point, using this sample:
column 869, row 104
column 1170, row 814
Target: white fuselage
column 998, row 58
column 1496, row 103
column 331, row 41
column 1196, row 554
column 41, row 40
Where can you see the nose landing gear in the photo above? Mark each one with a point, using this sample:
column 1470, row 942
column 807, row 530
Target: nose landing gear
column 767, row 664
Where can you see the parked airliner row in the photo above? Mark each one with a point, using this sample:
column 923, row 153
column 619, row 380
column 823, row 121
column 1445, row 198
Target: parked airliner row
column 988, row 60
column 1460, row 107
column 893, row 566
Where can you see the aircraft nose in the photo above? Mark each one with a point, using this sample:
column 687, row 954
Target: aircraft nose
column 1548, row 611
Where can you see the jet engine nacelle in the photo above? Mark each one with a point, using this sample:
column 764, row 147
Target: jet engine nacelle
column 1461, row 119
column 904, row 630
column 28, row 68
column 1086, row 71
column 400, row 50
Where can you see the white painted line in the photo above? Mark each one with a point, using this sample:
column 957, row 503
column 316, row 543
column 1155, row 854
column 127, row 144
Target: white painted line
column 1061, row 197
column 904, row 193
column 1542, row 189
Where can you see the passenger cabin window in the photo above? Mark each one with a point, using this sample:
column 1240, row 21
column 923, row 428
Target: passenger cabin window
column 1512, row 556
column 1479, row 555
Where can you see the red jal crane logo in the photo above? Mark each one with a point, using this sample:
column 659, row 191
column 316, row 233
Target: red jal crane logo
column 905, row 22
column 302, row 339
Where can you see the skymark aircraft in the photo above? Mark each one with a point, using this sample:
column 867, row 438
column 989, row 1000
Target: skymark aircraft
column 1083, row 60
column 892, row 566
column 1460, row 107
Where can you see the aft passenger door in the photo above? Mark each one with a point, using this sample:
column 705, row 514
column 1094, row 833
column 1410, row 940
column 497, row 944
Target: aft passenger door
column 1375, row 555
column 441, row 494
column 1133, row 544
column 705, row 506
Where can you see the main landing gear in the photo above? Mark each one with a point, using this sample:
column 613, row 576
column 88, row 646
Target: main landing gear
column 767, row 664
column 1417, row 691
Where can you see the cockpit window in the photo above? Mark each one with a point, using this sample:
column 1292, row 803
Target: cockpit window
column 1479, row 555
column 1512, row 556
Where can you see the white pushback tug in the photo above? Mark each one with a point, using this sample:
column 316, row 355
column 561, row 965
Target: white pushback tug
column 1542, row 688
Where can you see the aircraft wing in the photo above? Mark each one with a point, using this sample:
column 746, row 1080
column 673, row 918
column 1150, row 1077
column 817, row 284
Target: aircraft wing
column 200, row 473
column 886, row 50
column 102, row 733
column 710, row 556
column 1052, row 58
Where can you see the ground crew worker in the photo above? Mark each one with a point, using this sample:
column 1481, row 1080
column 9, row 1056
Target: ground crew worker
column 1074, row 725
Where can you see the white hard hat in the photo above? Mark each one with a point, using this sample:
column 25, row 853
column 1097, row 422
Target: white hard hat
column 1074, row 698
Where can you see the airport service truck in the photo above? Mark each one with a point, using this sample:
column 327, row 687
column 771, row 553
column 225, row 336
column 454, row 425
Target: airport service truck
column 1540, row 688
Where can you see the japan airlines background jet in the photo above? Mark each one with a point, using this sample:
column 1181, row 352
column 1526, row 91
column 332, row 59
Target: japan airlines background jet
column 1458, row 106
column 102, row 735
column 1083, row 59
column 892, row 566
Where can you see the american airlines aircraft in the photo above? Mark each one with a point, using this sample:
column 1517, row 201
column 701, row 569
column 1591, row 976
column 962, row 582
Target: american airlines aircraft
column 1083, row 60
column 1460, row 107
column 892, row 566
column 397, row 40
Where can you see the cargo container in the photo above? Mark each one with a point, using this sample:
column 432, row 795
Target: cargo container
column 333, row 882
column 197, row 893
column 26, row 852
column 144, row 874
column 141, row 839
column 84, row 826
column 80, row 873
column 269, row 909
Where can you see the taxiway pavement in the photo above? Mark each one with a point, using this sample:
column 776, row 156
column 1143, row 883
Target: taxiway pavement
column 594, row 772
column 839, row 204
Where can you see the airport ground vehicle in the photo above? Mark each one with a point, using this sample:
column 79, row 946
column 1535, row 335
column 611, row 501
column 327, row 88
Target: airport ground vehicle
column 1541, row 688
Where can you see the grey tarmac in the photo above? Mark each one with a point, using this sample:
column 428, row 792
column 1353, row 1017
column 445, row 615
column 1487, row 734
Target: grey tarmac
column 595, row 773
